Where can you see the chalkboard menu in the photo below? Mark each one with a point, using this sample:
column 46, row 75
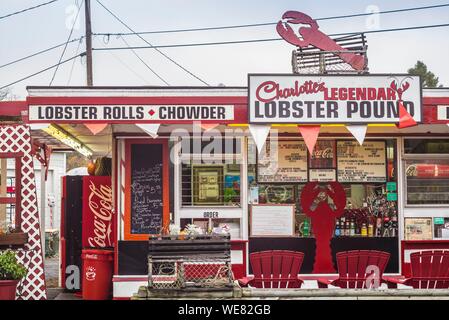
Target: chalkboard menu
column 146, row 188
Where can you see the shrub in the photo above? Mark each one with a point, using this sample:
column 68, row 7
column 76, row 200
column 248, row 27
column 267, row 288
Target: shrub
column 10, row 268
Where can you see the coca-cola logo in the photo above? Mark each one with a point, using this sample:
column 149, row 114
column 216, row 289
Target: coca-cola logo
column 100, row 204
column 270, row 90
column 326, row 153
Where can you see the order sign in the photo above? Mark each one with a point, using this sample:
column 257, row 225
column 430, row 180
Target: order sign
column 287, row 98
column 366, row 163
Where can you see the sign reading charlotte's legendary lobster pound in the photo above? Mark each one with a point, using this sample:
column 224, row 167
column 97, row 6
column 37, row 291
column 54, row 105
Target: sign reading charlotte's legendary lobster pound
column 130, row 113
column 290, row 98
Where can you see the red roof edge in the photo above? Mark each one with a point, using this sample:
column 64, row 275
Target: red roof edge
column 13, row 108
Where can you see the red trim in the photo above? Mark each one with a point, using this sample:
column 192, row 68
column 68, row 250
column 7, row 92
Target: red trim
column 116, row 194
column 10, row 200
column 165, row 185
column 62, row 244
column 121, row 298
column 202, row 100
column 13, row 108
column 129, row 279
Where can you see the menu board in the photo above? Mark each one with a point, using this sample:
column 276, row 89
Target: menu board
column 146, row 188
column 272, row 220
column 283, row 161
column 361, row 163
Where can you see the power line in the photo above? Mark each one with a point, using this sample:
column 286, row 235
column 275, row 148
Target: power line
column 73, row 63
column 266, row 40
column 146, row 65
column 159, row 51
column 66, row 43
column 274, row 23
column 41, row 71
column 27, row 9
column 38, row 53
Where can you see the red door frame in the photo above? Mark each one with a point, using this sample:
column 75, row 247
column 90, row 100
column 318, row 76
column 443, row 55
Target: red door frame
column 165, row 185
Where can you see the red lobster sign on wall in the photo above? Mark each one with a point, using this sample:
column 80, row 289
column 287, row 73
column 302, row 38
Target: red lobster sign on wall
column 315, row 199
column 310, row 35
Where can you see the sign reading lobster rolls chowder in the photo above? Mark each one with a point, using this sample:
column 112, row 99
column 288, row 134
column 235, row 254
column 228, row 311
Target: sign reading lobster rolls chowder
column 130, row 113
column 361, row 163
column 374, row 98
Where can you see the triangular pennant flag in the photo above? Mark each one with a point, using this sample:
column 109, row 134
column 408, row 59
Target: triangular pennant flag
column 209, row 126
column 39, row 126
column 310, row 135
column 95, row 127
column 260, row 133
column 405, row 119
column 358, row 131
column 150, row 128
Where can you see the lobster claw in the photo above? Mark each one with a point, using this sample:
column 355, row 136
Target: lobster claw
column 286, row 31
column 405, row 86
column 393, row 85
column 338, row 196
column 297, row 17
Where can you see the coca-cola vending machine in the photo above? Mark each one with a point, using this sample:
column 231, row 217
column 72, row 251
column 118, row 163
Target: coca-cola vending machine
column 87, row 221
column 98, row 219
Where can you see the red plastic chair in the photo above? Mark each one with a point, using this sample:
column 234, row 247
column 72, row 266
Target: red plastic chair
column 429, row 269
column 274, row 269
column 353, row 268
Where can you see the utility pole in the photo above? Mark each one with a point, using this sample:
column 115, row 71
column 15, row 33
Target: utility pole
column 89, row 74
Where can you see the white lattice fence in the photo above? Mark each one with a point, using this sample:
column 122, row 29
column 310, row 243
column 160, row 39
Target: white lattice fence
column 16, row 138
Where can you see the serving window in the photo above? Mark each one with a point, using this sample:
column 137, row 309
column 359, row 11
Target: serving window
column 210, row 176
column 366, row 172
column 426, row 172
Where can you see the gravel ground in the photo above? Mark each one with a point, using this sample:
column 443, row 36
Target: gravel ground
column 52, row 272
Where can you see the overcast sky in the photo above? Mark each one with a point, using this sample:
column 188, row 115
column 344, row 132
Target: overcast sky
column 44, row 27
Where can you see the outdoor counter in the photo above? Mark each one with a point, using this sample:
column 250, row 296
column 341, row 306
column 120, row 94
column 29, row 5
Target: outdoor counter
column 307, row 246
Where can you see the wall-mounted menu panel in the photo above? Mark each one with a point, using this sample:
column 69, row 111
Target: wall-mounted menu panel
column 361, row 163
column 283, row 161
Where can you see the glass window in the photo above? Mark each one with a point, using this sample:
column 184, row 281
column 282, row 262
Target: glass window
column 210, row 185
column 424, row 146
column 371, row 207
column 9, row 199
column 427, row 181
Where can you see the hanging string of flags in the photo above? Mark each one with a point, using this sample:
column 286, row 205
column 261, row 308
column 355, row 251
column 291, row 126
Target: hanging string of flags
column 150, row 128
column 310, row 133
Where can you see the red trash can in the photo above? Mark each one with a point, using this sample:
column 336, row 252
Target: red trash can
column 97, row 274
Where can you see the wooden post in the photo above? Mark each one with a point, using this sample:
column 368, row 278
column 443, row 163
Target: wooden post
column 89, row 74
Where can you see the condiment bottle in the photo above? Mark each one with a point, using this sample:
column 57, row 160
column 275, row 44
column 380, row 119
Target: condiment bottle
column 370, row 230
column 364, row 231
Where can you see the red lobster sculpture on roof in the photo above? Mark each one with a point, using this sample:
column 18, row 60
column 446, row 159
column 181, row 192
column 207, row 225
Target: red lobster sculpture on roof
column 312, row 36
